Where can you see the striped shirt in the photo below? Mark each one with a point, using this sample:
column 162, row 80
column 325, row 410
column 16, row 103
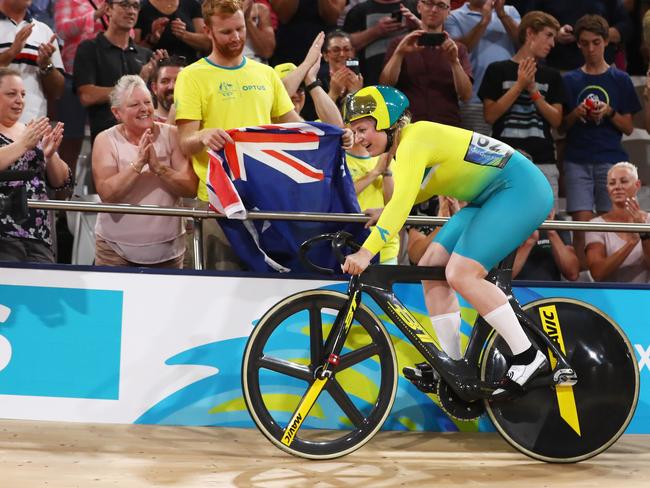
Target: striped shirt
column 26, row 61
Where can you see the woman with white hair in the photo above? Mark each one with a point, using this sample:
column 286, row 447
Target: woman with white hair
column 620, row 256
column 138, row 161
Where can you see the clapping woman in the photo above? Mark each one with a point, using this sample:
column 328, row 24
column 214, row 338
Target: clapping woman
column 28, row 147
column 620, row 256
column 138, row 161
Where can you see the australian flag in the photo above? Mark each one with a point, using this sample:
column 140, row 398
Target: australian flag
column 297, row 167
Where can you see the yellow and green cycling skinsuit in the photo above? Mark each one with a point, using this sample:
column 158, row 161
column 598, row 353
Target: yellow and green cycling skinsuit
column 508, row 197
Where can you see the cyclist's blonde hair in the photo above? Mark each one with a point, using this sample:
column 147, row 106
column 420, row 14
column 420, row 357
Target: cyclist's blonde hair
column 216, row 7
column 628, row 166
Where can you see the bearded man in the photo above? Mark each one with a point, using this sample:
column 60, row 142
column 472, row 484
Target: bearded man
column 222, row 91
column 163, row 81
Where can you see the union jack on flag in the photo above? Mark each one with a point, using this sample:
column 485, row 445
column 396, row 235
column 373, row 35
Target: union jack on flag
column 284, row 167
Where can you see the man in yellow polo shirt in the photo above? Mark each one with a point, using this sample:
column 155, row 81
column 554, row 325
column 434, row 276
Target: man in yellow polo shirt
column 222, row 91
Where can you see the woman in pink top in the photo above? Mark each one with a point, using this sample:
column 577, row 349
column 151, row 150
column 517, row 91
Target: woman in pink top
column 625, row 256
column 139, row 162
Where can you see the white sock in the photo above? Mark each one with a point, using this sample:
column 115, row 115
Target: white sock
column 505, row 322
column 447, row 327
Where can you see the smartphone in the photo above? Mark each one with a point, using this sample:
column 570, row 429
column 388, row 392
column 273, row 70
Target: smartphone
column 432, row 39
column 396, row 15
column 353, row 64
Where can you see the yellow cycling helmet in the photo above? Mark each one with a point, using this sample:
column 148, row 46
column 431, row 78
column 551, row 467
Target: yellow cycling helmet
column 385, row 104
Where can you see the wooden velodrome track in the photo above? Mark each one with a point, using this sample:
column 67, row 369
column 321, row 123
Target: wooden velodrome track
column 69, row 455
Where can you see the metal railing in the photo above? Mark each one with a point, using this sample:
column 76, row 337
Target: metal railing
column 199, row 214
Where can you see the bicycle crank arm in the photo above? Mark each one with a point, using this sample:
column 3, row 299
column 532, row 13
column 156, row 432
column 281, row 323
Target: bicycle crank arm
column 303, row 409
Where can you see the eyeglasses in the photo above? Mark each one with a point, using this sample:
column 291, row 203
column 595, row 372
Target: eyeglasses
column 430, row 5
column 339, row 50
column 124, row 5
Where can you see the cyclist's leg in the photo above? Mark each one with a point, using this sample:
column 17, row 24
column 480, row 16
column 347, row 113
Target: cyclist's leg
column 440, row 299
column 493, row 232
column 467, row 277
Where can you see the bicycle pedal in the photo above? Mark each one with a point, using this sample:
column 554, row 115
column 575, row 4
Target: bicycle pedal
column 422, row 376
column 565, row 377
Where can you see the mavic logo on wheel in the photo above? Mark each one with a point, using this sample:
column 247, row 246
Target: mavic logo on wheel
column 565, row 397
column 411, row 322
column 644, row 356
column 303, row 410
column 291, row 431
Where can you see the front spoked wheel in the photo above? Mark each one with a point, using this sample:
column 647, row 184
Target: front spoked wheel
column 300, row 413
column 569, row 423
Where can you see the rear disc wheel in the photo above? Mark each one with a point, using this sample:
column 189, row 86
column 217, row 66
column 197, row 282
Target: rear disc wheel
column 569, row 423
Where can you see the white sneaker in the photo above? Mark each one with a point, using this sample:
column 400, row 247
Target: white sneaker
column 521, row 373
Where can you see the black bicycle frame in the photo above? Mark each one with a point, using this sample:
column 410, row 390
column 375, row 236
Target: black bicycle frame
column 462, row 375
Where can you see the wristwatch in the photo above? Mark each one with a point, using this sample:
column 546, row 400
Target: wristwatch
column 313, row 85
column 46, row 70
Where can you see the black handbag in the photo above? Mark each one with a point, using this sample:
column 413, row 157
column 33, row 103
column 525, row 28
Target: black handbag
column 13, row 199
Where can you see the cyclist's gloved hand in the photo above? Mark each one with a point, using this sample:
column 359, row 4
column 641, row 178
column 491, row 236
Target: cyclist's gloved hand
column 357, row 263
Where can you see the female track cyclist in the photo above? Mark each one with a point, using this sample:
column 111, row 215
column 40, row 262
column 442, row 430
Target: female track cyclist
column 508, row 198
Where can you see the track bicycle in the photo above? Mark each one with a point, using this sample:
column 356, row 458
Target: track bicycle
column 311, row 352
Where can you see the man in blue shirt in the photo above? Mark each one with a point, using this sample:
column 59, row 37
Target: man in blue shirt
column 600, row 103
column 489, row 29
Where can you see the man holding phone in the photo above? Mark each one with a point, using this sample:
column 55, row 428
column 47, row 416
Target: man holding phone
column 432, row 70
column 372, row 25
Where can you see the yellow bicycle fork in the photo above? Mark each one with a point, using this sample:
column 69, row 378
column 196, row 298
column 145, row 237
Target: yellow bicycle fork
column 324, row 376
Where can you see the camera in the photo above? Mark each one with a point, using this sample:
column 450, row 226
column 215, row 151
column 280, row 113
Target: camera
column 353, row 64
column 13, row 199
column 432, row 39
column 396, row 15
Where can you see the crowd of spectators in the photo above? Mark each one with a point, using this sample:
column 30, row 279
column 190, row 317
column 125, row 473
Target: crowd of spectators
column 159, row 82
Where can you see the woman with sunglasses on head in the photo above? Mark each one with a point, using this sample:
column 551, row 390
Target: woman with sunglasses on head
column 508, row 198
column 623, row 257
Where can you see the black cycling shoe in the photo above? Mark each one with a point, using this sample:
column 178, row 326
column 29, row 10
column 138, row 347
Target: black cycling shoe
column 423, row 376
